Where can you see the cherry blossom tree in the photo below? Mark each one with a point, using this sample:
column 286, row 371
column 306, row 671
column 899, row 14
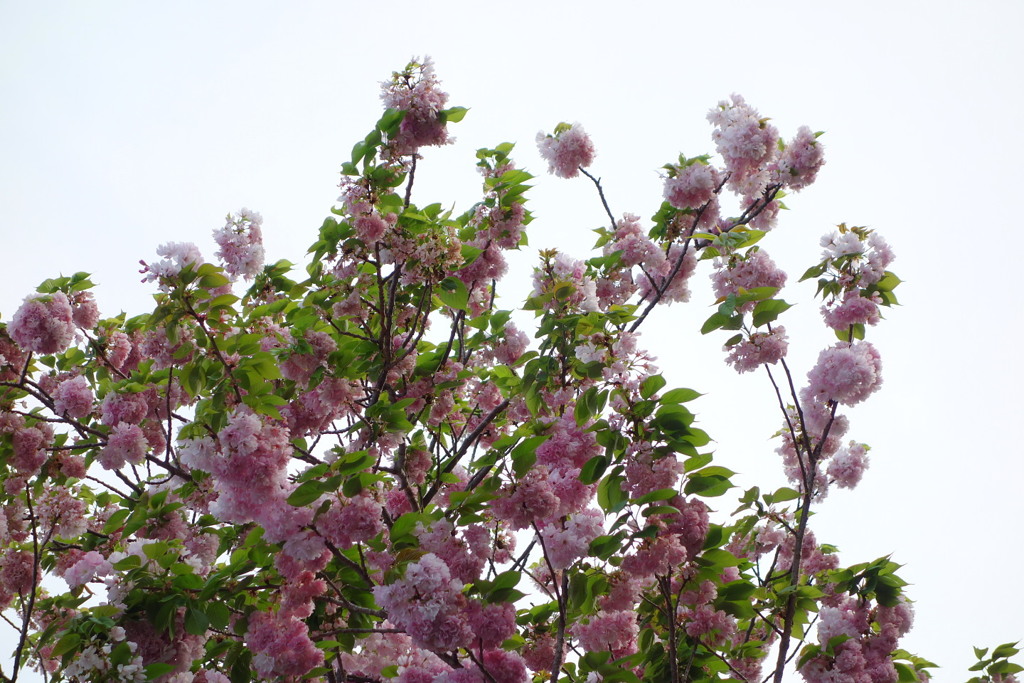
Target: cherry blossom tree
column 365, row 470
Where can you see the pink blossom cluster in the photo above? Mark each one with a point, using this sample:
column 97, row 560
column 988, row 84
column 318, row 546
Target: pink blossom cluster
column 759, row 348
column 746, row 142
column 62, row 512
column 568, row 541
column 176, row 256
column 846, row 373
column 29, row 444
column 19, row 574
column 659, row 556
column 866, row 654
column 427, row 602
column 754, row 269
column 818, row 424
column 564, row 271
column 241, row 244
column 635, row 247
column 692, row 186
column 358, row 201
column 860, row 256
column 647, row 471
column 514, row 343
column 73, row 398
column 417, row 92
column 551, row 489
column 349, row 521
column 248, row 461
column 615, row 632
column 307, row 356
column 680, row 265
column 637, row 250
column 801, row 160
column 43, row 324
column 853, row 309
column 465, row 556
column 174, row 646
column 12, row 357
column 567, row 151
column 381, row 650
column 847, row 466
column 708, row 624
column 126, row 443
column 282, row 645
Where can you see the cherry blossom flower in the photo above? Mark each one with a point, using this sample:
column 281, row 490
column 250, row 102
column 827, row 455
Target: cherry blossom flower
column 567, row 151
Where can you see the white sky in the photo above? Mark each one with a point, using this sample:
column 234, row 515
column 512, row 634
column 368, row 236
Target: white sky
column 124, row 125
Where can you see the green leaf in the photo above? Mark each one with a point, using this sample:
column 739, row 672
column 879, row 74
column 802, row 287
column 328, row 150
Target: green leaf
column 306, row 493
column 219, row 615
column 708, row 487
column 115, row 521
column 353, row 462
column 196, row 621
column 158, row 669
column 814, row 271
column 784, row 494
column 524, row 455
column 660, row 494
column 594, row 468
column 453, row 114
column 651, row 385
column 67, row 643
column 610, row 495
column 767, row 311
column 1003, row 651
column 453, row 293
column 679, row 396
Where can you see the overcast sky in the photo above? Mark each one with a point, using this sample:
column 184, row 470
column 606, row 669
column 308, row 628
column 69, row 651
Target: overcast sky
column 124, row 125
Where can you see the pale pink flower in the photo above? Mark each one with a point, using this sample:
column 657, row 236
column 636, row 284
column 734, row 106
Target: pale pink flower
column 846, row 373
column 847, row 466
column 609, row 631
column 801, row 160
column 417, row 92
column 854, row 309
column 28, row 445
column 760, row 348
column 567, row 151
column 176, row 256
column 241, row 244
column 564, row 543
column 84, row 310
column 282, row 645
column 126, row 443
column 43, row 324
column 746, row 142
column 757, row 269
column 73, row 398
column 690, row 187
column 92, row 565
